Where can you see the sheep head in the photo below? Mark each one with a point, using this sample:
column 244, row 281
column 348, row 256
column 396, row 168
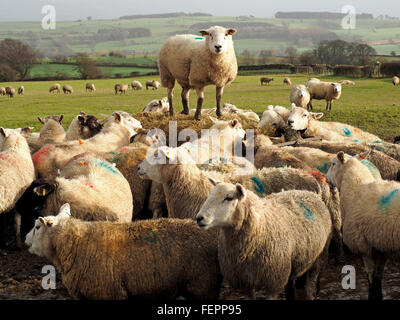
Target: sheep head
column 218, row 39
column 300, row 117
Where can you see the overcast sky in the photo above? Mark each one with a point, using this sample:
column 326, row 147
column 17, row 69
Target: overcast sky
column 30, row 10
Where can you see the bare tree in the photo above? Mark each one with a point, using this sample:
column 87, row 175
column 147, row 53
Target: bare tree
column 86, row 67
column 292, row 54
column 18, row 56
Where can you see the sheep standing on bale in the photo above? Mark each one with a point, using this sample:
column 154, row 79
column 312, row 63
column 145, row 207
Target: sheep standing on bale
column 10, row 91
column 268, row 243
column 67, row 89
column 90, row 87
column 163, row 258
column 396, row 81
column 324, row 91
column 21, row 90
column 371, row 217
column 55, row 87
column 266, row 80
column 300, row 96
column 2, row 91
column 136, row 85
column 196, row 62
column 152, row 84
column 287, row 81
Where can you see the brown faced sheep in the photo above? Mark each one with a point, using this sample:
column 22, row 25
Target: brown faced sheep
column 10, row 91
column 83, row 126
column 152, row 84
column 67, row 89
column 55, row 87
column 196, row 62
column 266, row 80
column 268, row 243
column 152, row 259
column 90, row 87
column 371, row 210
column 287, row 81
column 324, row 91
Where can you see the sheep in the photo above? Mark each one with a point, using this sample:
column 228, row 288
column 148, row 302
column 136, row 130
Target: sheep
column 287, row 81
column 136, row 85
column 266, row 80
column 268, row 243
column 67, row 89
column 196, row 62
column 96, row 190
column 116, row 133
column 152, row 84
column 163, row 258
column 21, row 90
column 51, row 132
column 122, row 88
column 306, row 122
column 388, row 167
column 347, row 83
column 396, row 81
column 371, row 210
column 117, row 88
column 90, row 87
column 157, row 105
column 232, row 109
column 10, row 91
column 324, row 90
column 300, row 96
column 16, row 174
column 2, row 91
column 83, row 126
column 312, row 80
column 273, row 119
column 55, row 87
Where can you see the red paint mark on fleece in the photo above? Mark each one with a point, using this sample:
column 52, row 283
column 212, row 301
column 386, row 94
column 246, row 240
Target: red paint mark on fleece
column 80, row 141
column 6, row 157
column 318, row 175
column 38, row 156
column 89, row 185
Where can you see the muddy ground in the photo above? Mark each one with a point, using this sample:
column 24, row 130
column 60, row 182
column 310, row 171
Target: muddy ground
column 21, row 277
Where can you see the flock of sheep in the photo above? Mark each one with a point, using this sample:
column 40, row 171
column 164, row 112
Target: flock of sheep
column 121, row 214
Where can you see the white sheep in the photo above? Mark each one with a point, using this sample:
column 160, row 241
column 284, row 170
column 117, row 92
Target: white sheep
column 371, row 216
column 68, row 89
column 157, row 105
column 232, row 109
column 300, row 96
column 152, row 84
column 55, row 87
column 2, row 91
column 312, row 80
column 268, row 243
column 196, row 62
column 10, row 91
column 396, row 81
column 324, row 91
column 347, row 83
column 21, row 90
column 136, row 85
column 90, row 86
column 274, row 116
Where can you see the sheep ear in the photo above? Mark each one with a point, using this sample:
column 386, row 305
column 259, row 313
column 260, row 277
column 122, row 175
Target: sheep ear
column 45, row 189
column 316, row 116
column 234, row 122
column 213, row 182
column 340, row 156
column 132, row 138
column 46, row 221
column 231, row 32
column 204, row 33
column 117, row 117
column 3, row 132
column 81, row 119
column 82, row 113
column 40, row 120
column 240, row 192
column 293, row 106
column 65, row 211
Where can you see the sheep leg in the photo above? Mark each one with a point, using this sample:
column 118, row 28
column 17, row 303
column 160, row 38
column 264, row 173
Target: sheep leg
column 185, row 99
column 200, row 99
column 290, row 289
column 220, row 91
column 170, row 97
column 17, row 229
column 375, row 266
column 309, row 106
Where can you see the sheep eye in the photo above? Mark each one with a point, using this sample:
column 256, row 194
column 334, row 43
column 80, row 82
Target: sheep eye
column 228, row 199
column 37, row 227
column 333, row 164
column 304, row 115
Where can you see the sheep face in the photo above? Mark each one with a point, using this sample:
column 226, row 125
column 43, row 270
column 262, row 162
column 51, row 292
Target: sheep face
column 36, row 239
column 270, row 118
column 90, row 125
column 125, row 120
column 220, row 207
column 218, row 39
column 300, row 117
column 337, row 87
column 335, row 172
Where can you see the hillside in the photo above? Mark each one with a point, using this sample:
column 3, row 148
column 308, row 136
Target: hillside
column 137, row 35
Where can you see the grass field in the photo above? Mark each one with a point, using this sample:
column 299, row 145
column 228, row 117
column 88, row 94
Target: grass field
column 372, row 105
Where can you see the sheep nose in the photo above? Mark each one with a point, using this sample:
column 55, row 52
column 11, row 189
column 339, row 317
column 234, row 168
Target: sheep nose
column 290, row 122
column 199, row 219
column 218, row 47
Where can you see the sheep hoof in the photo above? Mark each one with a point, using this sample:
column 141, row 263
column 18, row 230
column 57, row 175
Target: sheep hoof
column 185, row 112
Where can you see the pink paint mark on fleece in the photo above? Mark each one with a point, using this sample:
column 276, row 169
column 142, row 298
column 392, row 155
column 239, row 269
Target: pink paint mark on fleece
column 39, row 155
column 8, row 158
column 89, row 185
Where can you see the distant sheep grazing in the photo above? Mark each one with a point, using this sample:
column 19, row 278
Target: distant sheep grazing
column 21, row 90
column 347, row 83
column 265, row 80
column 152, row 84
column 10, row 91
column 396, row 81
column 90, row 87
column 2, row 91
column 268, row 243
column 287, row 81
column 324, row 91
column 196, row 62
column 55, row 87
column 300, row 96
column 67, row 89
column 123, row 88
column 371, row 211
column 151, row 259
column 136, row 85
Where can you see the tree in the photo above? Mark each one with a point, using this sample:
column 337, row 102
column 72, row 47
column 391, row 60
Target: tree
column 393, row 53
column 307, row 58
column 291, row 52
column 263, row 55
column 362, row 52
column 86, row 67
column 18, row 56
column 6, row 73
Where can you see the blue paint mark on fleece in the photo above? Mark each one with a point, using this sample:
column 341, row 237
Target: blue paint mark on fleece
column 346, row 131
column 307, row 212
column 385, row 200
column 258, row 186
column 105, row 166
column 324, row 168
column 371, row 167
column 356, row 140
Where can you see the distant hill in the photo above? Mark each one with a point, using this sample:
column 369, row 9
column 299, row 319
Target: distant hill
column 317, row 15
column 165, row 15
